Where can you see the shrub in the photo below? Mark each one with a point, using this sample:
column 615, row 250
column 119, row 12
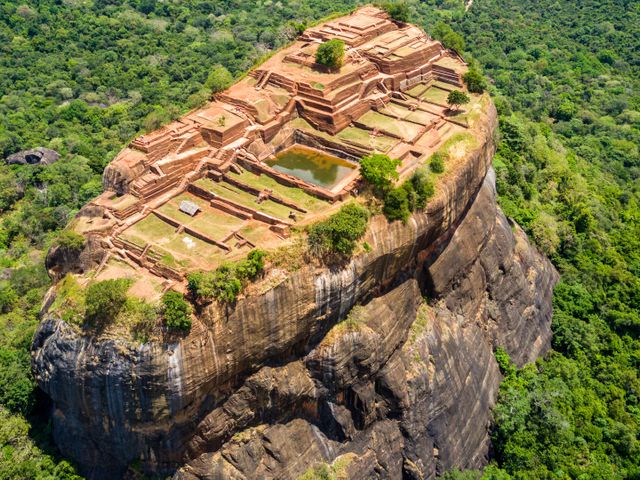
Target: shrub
column 436, row 163
column 457, row 98
column 396, row 204
column 339, row 233
column 252, row 266
column 379, row 171
column 398, row 11
column 226, row 281
column 419, row 189
column 411, row 196
column 70, row 240
column 476, row 83
column 176, row 311
column 331, row 54
column 105, row 300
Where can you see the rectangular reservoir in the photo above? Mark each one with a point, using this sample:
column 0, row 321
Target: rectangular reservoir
column 312, row 166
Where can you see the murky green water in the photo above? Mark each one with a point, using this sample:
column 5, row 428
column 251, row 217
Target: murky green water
column 312, row 166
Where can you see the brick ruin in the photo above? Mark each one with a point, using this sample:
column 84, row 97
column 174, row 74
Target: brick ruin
column 389, row 97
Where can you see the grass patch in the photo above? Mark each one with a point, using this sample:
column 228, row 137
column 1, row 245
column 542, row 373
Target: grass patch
column 435, row 95
column 295, row 195
column 382, row 143
column 402, row 129
column 420, row 323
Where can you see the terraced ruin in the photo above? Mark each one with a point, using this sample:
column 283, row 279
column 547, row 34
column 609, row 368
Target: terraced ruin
column 223, row 179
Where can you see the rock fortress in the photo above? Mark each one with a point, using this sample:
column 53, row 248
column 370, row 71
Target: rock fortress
column 347, row 366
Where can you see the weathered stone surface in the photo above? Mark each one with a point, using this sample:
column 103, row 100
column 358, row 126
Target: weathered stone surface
column 408, row 398
column 34, row 156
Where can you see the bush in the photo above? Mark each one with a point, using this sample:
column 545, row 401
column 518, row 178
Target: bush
column 419, row 189
column 226, row 281
column 436, row 163
column 396, row 204
column 105, row 300
column 176, row 311
column 398, row 11
column 70, row 240
column 379, row 171
column 339, row 233
column 331, row 54
column 476, row 83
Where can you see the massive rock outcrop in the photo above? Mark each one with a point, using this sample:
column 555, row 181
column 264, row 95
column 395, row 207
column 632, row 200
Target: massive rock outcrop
column 400, row 389
column 280, row 381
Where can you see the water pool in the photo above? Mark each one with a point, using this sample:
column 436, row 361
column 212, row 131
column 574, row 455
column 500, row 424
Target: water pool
column 312, row 166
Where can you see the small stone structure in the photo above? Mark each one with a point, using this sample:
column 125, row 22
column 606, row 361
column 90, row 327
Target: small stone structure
column 189, row 208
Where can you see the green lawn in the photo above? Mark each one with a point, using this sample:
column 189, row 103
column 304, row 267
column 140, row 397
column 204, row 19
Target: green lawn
column 237, row 195
column 405, row 130
column 435, row 95
column 362, row 137
column 295, row 195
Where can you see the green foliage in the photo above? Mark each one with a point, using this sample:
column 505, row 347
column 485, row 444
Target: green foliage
column 476, row 83
column 338, row 234
column 419, row 189
column 398, row 11
column 70, row 240
column 457, row 98
column 396, row 204
column 380, row 171
column 226, row 282
column 448, row 37
column 176, row 311
column 330, row 54
column 21, row 459
column 436, row 162
column 105, row 300
column 218, row 80
column 504, row 362
column 85, row 78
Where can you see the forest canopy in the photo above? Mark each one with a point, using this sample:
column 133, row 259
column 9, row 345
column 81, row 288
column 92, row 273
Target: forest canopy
column 84, row 77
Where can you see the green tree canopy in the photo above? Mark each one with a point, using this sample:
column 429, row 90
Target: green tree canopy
column 379, row 170
column 476, row 83
column 331, row 54
column 176, row 311
column 398, row 11
column 105, row 300
column 219, row 79
column 457, row 98
column 448, row 37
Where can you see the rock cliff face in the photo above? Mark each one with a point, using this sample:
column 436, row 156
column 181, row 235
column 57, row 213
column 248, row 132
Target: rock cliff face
column 281, row 381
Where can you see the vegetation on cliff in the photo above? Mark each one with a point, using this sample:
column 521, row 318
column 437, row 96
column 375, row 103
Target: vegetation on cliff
column 84, row 77
column 337, row 236
column 380, row 172
column 227, row 281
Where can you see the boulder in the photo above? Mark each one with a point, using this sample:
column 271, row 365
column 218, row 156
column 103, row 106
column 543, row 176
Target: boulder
column 34, row 156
